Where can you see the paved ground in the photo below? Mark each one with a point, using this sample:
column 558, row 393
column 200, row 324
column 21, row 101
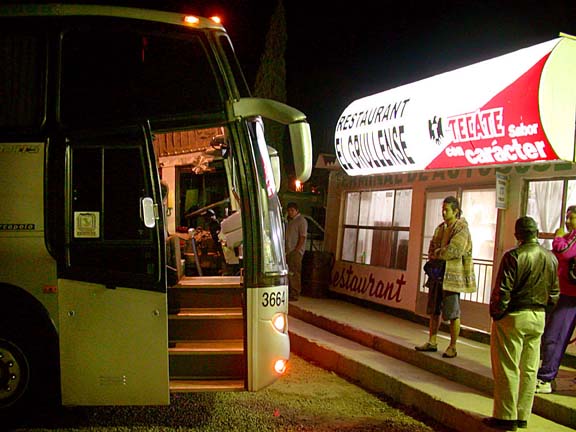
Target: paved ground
column 307, row 399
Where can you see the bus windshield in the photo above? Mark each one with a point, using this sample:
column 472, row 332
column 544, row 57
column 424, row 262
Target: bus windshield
column 120, row 73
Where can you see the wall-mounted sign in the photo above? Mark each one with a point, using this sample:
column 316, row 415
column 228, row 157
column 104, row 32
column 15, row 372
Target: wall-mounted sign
column 517, row 108
column 501, row 191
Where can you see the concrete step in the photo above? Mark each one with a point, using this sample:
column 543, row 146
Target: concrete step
column 376, row 349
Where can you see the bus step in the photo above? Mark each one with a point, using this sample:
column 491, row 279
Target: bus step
column 202, row 347
column 190, row 386
column 193, row 329
column 206, row 364
column 207, row 313
column 213, row 282
column 180, row 298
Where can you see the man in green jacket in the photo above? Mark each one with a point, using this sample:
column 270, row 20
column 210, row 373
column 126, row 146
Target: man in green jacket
column 451, row 248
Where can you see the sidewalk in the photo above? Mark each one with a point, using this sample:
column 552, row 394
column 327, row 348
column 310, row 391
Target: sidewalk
column 376, row 350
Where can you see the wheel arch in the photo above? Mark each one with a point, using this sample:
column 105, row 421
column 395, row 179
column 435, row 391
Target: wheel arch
column 16, row 301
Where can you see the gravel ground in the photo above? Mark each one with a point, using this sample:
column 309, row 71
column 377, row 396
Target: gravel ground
column 306, row 399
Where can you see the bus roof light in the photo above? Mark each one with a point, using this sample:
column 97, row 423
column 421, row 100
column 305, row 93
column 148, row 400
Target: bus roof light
column 191, row 19
column 216, row 19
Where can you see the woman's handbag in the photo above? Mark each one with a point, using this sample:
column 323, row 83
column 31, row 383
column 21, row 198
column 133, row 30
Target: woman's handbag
column 434, row 269
column 571, row 264
column 572, row 270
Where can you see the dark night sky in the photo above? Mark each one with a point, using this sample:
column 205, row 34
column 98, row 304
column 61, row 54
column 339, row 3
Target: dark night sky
column 337, row 54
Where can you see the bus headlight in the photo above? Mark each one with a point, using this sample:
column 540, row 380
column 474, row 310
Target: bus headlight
column 280, row 322
column 280, row 366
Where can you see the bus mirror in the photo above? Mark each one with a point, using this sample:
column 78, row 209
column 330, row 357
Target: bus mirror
column 147, row 214
column 296, row 120
column 301, row 149
column 275, row 161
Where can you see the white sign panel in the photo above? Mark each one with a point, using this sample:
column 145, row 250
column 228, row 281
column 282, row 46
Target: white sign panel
column 517, row 108
column 501, row 191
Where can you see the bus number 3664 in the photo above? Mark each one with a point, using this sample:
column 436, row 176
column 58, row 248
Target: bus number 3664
column 273, row 299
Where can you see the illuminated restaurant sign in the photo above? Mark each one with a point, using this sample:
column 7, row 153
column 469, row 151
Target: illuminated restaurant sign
column 517, row 108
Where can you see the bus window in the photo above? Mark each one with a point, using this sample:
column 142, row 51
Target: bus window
column 271, row 222
column 108, row 241
column 22, row 56
column 234, row 66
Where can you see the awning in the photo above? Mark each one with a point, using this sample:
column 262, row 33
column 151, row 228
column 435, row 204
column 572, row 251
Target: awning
column 516, row 108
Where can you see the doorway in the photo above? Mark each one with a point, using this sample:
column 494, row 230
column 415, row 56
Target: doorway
column 478, row 207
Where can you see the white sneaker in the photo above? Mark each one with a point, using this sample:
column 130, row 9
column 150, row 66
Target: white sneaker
column 543, row 387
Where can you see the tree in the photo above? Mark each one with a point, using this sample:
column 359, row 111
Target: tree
column 271, row 80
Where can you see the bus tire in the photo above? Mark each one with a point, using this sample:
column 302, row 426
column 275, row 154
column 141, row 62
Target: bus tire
column 29, row 368
column 14, row 373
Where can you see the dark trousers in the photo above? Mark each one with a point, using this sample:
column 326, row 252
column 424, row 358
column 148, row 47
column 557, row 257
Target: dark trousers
column 294, row 261
column 559, row 328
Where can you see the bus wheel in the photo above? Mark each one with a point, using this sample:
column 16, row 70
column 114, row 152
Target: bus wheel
column 29, row 375
column 14, row 373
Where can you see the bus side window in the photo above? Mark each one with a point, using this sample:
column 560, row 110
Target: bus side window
column 107, row 240
column 100, row 185
column 23, row 60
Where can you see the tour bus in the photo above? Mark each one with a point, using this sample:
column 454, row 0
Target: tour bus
column 121, row 131
column 498, row 135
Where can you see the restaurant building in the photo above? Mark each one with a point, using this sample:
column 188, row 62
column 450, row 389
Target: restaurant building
column 499, row 135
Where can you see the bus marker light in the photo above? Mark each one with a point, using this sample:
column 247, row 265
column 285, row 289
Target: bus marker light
column 216, row 19
column 279, row 322
column 280, row 366
column 49, row 289
column 191, row 19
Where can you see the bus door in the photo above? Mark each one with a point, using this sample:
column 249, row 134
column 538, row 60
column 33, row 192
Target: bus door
column 111, row 271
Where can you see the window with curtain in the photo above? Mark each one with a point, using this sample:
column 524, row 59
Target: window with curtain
column 377, row 227
column 479, row 210
column 547, row 204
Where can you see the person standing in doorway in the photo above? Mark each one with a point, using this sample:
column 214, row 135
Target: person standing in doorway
column 526, row 283
column 296, row 232
column 562, row 319
column 450, row 251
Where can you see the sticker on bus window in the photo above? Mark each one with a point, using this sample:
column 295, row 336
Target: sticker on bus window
column 86, row 224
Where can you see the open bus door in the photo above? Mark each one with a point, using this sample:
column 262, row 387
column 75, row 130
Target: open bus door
column 111, row 271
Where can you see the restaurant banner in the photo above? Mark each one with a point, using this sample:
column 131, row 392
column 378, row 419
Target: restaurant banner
column 516, row 108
